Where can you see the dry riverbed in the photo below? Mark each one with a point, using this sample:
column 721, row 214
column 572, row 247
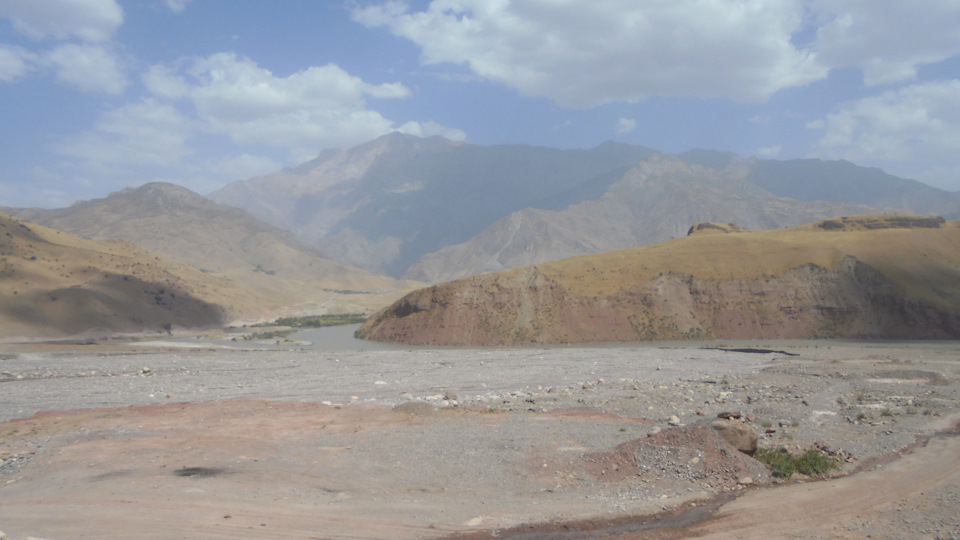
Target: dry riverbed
column 128, row 441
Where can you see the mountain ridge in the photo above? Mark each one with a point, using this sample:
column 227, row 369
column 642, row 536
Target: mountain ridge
column 394, row 205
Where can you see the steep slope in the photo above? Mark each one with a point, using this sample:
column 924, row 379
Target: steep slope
column 224, row 240
column 654, row 201
column 399, row 201
column 880, row 277
column 384, row 204
column 55, row 284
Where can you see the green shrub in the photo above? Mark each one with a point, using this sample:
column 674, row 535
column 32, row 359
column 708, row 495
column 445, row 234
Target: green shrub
column 783, row 464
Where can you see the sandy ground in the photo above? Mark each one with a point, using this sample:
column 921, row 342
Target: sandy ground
column 426, row 443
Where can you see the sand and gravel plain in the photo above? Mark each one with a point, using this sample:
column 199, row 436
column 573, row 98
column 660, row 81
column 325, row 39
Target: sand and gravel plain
column 210, row 438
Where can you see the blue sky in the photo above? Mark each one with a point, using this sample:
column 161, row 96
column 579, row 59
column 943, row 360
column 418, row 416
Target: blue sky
column 98, row 95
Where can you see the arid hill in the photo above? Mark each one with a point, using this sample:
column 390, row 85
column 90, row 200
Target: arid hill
column 874, row 277
column 228, row 242
column 54, row 284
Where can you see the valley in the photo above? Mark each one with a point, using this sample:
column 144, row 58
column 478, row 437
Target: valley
column 601, row 442
column 606, row 329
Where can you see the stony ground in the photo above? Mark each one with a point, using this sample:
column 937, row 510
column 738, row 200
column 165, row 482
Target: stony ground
column 288, row 442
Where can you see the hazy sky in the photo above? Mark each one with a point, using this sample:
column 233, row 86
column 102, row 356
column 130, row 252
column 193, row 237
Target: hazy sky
column 98, row 95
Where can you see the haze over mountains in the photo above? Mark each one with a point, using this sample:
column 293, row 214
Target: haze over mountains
column 433, row 209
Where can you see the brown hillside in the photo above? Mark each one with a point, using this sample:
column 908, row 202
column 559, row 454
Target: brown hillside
column 228, row 242
column 54, row 284
column 898, row 278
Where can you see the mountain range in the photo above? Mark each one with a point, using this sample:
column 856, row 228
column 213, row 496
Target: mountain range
column 434, row 209
column 319, row 238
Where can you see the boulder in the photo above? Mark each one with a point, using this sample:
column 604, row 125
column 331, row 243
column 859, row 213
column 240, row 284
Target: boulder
column 739, row 435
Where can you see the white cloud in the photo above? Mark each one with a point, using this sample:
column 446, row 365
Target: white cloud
column 769, row 152
column 177, row 6
column 908, row 130
column 210, row 121
column 319, row 107
column 146, row 133
column 91, row 68
column 91, row 65
column 887, row 39
column 432, row 129
column 583, row 54
column 88, row 20
column 626, row 125
column 15, row 62
column 164, row 82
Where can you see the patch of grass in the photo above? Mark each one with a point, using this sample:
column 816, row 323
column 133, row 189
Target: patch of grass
column 886, row 412
column 272, row 334
column 317, row 321
column 783, row 464
column 766, row 424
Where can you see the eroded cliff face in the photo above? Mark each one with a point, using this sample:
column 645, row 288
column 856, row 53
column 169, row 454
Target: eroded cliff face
column 527, row 307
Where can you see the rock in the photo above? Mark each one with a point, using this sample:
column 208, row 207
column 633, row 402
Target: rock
column 450, row 396
column 3, row 536
column 673, row 421
column 653, row 431
column 415, row 408
column 729, row 414
column 745, row 481
column 739, row 435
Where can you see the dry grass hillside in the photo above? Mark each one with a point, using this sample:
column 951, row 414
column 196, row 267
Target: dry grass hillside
column 54, row 284
column 867, row 277
column 218, row 239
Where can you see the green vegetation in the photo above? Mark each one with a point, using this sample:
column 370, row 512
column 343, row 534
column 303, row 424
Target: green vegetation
column 271, row 334
column 784, row 464
column 317, row 321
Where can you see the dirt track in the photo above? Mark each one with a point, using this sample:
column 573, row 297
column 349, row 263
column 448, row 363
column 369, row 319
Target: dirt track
column 514, row 439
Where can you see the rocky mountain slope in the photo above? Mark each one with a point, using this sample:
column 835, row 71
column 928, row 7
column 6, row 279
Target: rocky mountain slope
column 225, row 241
column 54, row 284
column 881, row 277
column 654, row 201
column 433, row 209
column 385, row 204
